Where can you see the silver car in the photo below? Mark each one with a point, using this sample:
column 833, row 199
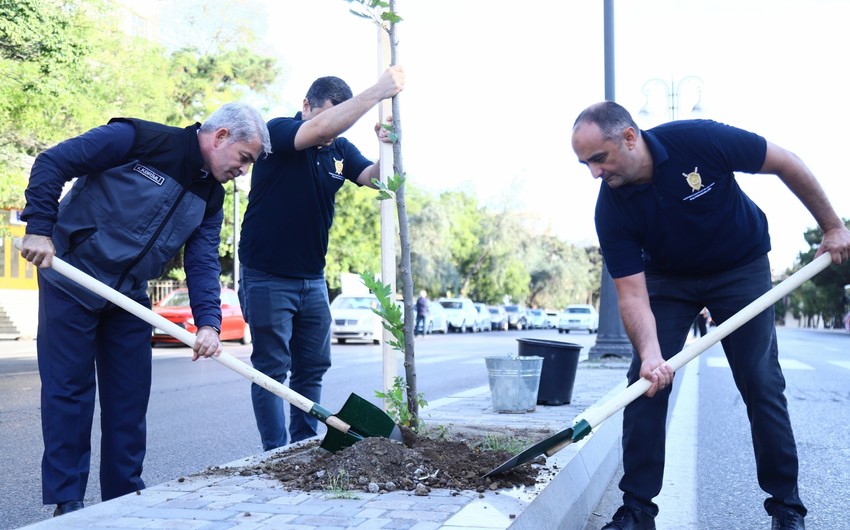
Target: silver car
column 352, row 318
column 461, row 313
column 579, row 316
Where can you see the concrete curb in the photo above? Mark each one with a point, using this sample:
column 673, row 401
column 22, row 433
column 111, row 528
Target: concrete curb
column 571, row 496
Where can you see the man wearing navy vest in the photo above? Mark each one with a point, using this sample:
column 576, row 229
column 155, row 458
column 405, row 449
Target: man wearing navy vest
column 678, row 234
column 142, row 192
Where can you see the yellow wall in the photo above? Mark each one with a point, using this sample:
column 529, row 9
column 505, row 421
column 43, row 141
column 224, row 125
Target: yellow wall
column 15, row 271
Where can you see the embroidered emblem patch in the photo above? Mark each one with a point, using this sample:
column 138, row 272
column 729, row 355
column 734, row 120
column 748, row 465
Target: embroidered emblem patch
column 694, row 180
column 338, row 166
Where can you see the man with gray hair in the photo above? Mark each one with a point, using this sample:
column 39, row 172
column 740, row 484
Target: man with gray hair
column 143, row 191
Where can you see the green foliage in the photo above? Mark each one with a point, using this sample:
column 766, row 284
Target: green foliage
column 397, row 407
column 389, row 311
column 339, row 486
column 204, row 82
column 354, row 242
column 511, row 444
column 65, row 68
column 374, row 10
column 390, row 189
column 824, row 297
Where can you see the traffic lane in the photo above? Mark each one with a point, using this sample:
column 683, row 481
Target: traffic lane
column 728, row 495
column 21, row 447
column 816, row 390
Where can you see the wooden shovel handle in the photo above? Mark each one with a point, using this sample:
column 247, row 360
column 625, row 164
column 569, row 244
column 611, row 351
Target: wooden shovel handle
column 596, row 415
column 137, row 309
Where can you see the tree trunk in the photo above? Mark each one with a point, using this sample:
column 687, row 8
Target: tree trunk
column 404, row 239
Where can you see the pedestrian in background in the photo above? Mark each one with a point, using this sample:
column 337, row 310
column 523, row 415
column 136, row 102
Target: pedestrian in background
column 422, row 312
column 285, row 238
column 143, row 191
column 678, row 234
column 703, row 321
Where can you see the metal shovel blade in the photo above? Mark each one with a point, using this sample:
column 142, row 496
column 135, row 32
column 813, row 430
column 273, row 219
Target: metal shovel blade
column 562, row 438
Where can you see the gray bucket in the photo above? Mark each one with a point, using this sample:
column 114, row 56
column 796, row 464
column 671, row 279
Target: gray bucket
column 514, row 382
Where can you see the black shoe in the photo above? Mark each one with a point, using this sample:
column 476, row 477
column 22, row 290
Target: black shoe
column 787, row 519
column 627, row 518
column 67, row 507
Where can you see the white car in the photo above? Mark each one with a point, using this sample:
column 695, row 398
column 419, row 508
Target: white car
column 483, row 321
column 579, row 316
column 352, row 318
column 461, row 313
column 536, row 319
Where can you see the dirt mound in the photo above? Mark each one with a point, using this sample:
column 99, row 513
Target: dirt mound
column 457, row 462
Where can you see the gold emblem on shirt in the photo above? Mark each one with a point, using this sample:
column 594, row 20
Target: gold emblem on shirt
column 338, row 167
column 694, row 180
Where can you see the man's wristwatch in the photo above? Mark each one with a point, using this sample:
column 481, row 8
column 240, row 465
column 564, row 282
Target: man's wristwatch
column 216, row 328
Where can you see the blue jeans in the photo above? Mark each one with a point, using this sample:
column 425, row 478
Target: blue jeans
column 74, row 344
column 290, row 322
column 753, row 357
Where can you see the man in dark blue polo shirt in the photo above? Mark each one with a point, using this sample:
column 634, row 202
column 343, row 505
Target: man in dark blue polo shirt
column 285, row 238
column 677, row 235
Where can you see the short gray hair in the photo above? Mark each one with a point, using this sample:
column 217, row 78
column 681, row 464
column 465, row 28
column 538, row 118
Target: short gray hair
column 244, row 122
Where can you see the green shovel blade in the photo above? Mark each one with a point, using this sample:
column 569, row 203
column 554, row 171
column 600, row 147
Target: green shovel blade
column 366, row 421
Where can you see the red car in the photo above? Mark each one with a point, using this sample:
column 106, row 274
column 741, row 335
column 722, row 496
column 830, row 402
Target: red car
column 175, row 307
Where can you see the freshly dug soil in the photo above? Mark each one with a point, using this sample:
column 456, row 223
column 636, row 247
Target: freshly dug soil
column 456, row 461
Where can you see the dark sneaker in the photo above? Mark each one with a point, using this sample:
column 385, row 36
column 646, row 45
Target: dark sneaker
column 67, row 507
column 627, row 518
column 787, row 519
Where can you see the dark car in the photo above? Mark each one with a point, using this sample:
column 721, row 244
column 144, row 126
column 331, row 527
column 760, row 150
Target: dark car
column 175, row 307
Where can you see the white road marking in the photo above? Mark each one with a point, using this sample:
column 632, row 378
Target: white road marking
column 841, row 364
column 677, row 502
column 786, row 364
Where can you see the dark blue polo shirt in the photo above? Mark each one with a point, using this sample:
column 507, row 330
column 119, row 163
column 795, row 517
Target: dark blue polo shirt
column 683, row 225
column 291, row 202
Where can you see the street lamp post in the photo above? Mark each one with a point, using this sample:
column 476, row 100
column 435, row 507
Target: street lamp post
column 611, row 339
column 673, row 93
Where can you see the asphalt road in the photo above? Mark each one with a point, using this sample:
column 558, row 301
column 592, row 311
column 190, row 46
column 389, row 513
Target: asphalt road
column 200, row 413
column 714, row 485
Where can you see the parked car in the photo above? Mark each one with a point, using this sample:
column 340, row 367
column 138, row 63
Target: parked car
column 483, row 317
column 352, row 319
column 498, row 318
column 552, row 319
column 461, row 314
column 517, row 318
column 175, row 307
column 579, row 316
column 536, row 318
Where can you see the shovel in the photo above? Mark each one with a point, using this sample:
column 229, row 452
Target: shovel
column 594, row 416
column 356, row 420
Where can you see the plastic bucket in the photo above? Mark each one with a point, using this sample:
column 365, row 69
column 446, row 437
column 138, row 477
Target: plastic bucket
column 514, row 382
column 560, row 363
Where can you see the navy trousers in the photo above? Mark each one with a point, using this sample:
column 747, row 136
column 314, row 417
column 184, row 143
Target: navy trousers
column 753, row 357
column 81, row 352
